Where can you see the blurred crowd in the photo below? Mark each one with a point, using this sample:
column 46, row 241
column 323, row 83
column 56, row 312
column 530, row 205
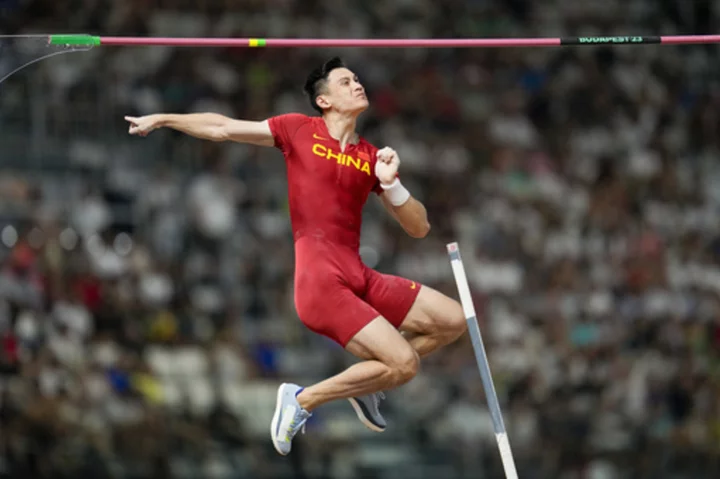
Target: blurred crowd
column 146, row 302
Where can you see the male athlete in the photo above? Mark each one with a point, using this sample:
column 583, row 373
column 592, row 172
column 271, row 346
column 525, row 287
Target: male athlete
column 331, row 173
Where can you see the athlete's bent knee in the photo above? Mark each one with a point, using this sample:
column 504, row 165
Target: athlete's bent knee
column 405, row 366
column 456, row 323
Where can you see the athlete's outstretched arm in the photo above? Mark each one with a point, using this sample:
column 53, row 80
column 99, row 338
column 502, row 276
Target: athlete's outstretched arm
column 206, row 126
column 408, row 211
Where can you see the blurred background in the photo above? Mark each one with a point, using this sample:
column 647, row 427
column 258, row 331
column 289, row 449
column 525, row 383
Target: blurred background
column 145, row 328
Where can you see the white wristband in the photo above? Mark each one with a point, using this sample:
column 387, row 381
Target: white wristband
column 396, row 192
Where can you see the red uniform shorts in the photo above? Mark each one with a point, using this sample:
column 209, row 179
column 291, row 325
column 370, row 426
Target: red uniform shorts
column 336, row 294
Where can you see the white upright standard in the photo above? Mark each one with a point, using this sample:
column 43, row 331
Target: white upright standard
column 482, row 361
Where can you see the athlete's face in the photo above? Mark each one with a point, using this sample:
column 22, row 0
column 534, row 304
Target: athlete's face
column 344, row 92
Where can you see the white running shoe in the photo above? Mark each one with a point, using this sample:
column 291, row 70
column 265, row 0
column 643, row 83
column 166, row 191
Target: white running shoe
column 289, row 418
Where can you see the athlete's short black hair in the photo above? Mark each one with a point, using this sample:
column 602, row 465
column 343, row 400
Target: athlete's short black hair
column 317, row 80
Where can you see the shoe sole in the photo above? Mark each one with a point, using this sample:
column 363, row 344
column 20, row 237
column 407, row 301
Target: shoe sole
column 275, row 419
column 363, row 419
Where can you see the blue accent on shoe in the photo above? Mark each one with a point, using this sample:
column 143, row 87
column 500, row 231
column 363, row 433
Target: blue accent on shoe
column 289, row 418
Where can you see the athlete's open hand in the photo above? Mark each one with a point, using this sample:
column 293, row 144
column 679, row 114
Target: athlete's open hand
column 387, row 165
column 143, row 125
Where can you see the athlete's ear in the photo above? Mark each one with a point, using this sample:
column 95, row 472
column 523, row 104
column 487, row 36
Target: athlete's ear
column 322, row 101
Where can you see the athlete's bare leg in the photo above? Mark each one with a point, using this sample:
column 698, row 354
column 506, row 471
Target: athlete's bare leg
column 394, row 363
column 434, row 321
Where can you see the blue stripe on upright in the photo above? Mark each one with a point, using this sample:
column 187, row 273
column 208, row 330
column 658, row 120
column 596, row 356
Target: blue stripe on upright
column 485, row 374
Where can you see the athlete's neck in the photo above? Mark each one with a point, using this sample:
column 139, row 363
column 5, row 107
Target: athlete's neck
column 341, row 127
